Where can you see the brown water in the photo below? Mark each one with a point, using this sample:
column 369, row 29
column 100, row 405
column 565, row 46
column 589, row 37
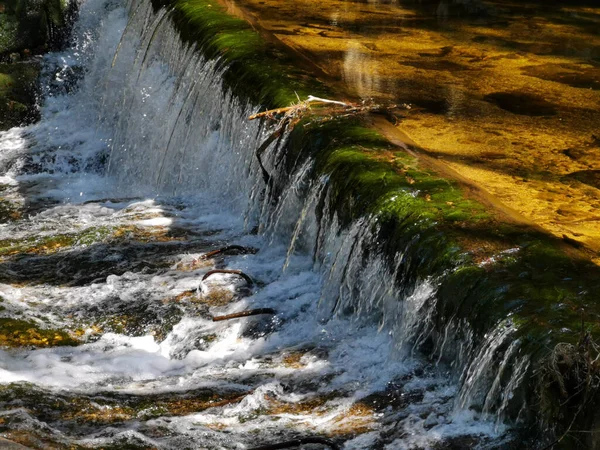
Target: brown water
column 506, row 93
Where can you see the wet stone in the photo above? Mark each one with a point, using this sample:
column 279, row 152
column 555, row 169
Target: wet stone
column 21, row 333
column 589, row 177
column 522, row 103
column 260, row 326
column 436, row 65
column 10, row 445
column 581, row 77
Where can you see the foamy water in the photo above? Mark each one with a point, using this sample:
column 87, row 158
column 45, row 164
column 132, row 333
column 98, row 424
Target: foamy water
column 147, row 157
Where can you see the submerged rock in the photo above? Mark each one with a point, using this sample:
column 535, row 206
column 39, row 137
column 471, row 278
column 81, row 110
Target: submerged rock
column 16, row 333
column 10, row 445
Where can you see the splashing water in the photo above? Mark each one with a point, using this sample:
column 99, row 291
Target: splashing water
column 142, row 162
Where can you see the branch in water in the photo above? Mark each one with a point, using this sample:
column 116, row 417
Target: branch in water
column 263, row 147
column 312, row 98
column 271, row 112
column 229, row 248
column 298, row 443
column 297, row 110
column 247, row 313
column 293, row 110
column 227, row 271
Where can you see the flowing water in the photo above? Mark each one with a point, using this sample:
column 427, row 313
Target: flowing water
column 142, row 163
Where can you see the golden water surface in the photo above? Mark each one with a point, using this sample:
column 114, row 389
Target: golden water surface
column 504, row 92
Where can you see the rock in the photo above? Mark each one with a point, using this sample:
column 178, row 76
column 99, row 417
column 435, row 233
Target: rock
column 10, row 445
column 431, row 421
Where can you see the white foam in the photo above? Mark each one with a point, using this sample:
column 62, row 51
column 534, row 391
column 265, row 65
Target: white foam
column 204, row 185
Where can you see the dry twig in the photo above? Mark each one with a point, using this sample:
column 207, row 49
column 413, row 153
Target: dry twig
column 228, row 249
column 247, row 313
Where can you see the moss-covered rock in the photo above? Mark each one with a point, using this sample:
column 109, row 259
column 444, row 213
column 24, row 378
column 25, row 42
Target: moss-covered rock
column 18, row 87
column 490, row 269
column 110, row 407
column 27, row 25
column 44, row 245
column 250, row 61
column 22, row 333
column 49, row 244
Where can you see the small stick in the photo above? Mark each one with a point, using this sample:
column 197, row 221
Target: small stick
column 229, row 248
column 298, row 443
column 233, row 272
column 312, row 98
column 247, row 313
column 306, row 103
column 270, row 112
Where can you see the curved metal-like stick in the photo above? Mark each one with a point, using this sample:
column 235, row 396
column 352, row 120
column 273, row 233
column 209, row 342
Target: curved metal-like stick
column 228, row 271
column 297, row 443
column 247, row 313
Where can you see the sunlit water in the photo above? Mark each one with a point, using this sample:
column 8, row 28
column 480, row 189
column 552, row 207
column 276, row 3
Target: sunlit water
column 143, row 156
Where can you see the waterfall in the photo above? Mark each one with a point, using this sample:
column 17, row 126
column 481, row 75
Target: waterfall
column 150, row 130
column 181, row 131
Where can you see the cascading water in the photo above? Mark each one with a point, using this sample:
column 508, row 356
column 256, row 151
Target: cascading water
column 142, row 163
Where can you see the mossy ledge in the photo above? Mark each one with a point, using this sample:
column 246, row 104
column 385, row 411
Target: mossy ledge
column 490, row 270
column 256, row 70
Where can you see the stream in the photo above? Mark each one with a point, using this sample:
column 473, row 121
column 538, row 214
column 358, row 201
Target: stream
column 142, row 164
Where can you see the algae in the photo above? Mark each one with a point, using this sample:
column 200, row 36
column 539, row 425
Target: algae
column 45, row 245
column 21, row 333
column 110, row 407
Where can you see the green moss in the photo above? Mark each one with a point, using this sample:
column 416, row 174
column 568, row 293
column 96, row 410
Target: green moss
column 20, row 333
column 255, row 69
column 26, row 26
column 53, row 243
column 370, row 176
column 9, row 33
column 8, row 211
